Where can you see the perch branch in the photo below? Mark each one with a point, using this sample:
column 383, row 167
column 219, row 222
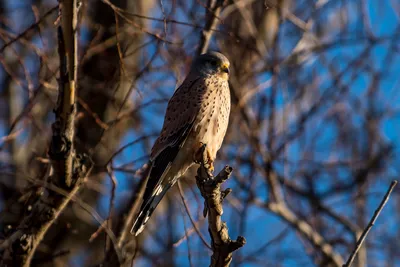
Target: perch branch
column 370, row 224
column 210, row 187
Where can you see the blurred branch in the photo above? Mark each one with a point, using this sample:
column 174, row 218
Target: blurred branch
column 370, row 224
column 213, row 10
column 210, row 188
column 278, row 206
column 33, row 26
column 125, row 229
column 306, row 230
column 125, row 225
column 123, row 14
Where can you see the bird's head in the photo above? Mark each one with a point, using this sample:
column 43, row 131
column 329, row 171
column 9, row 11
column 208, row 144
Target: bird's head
column 212, row 63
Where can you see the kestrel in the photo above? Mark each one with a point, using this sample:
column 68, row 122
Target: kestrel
column 197, row 114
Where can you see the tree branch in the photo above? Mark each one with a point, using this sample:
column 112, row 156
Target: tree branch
column 67, row 168
column 210, row 188
column 31, row 234
column 62, row 144
column 305, row 229
column 213, row 10
column 370, row 224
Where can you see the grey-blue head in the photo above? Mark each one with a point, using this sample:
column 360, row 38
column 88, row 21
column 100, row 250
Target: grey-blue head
column 212, row 63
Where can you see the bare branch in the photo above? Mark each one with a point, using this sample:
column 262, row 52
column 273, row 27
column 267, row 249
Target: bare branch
column 305, row 230
column 31, row 236
column 62, row 145
column 33, row 26
column 214, row 8
column 210, row 188
column 370, row 224
column 67, row 168
column 125, row 225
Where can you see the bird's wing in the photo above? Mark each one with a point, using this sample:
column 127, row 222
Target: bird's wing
column 182, row 110
column 179, row 120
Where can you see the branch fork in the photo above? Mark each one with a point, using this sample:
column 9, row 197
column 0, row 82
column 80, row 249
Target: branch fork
column 210, row 188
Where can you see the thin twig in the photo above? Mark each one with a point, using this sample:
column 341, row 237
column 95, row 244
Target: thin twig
column 98, row 231
column 188, row 243
column 112, row 199
column 190, row 216
column 125, row 225
column 134, row 207
column 37, row 236
column 89, row 209
column 370, row 224
column 34, row 25
column 188, row 233
column 125, row 229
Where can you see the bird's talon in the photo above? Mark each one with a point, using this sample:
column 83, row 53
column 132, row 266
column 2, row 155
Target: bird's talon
column 205, row 210
column 211, row 166
column 198, row 156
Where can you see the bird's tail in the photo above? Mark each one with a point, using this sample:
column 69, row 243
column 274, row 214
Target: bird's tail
column 147, row 208
column 157, row 185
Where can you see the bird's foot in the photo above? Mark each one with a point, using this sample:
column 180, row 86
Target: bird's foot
column 203, row 156
column 198, row 152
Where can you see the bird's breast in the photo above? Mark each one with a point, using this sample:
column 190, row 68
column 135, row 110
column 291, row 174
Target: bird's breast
column 212, row 120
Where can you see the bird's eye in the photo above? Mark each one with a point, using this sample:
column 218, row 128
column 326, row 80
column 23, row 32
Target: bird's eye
column 213, row 63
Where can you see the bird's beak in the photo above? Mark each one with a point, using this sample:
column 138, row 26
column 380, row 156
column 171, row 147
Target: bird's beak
column 225, row 68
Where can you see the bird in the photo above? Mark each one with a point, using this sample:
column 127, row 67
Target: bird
column 197, row 116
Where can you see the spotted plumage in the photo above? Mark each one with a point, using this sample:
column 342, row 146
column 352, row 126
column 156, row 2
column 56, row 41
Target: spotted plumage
column 197, row 113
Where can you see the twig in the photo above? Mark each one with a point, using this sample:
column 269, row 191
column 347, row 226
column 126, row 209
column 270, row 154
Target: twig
column 121, row 13
column 190, row 216
column 213, row 10
column 112, row 199
column 370, row 224
column 210, row 187
column 188, row 243
column 29, row 242
column 34, row 25
column 125, row 225
column 89, row 209
column 188, row 233
column 98, row 231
